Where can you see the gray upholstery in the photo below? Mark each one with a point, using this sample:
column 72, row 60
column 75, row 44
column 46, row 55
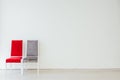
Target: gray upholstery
column 27, row 59
column 32, row 51
column 32, row 48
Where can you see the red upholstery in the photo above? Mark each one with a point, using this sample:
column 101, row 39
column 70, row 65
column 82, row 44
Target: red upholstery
column 13, row 60
column 16, row 48
column 16, row 52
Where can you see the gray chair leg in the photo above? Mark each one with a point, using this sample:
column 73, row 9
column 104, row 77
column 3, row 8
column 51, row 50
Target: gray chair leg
column 37, row 68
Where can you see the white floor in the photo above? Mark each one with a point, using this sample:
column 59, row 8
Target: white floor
column 61, row 75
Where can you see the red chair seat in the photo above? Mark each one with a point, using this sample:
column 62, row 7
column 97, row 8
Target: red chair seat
column 14, row 59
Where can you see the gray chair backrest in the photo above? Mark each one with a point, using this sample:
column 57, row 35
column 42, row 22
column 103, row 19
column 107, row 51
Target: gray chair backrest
column 32, row 48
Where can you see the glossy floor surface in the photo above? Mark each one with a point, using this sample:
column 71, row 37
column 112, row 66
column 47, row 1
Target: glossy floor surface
column 60, row 75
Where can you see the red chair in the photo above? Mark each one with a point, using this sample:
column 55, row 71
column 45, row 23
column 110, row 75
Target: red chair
column 16, row 52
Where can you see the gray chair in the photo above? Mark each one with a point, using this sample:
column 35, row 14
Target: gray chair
column 32, row 53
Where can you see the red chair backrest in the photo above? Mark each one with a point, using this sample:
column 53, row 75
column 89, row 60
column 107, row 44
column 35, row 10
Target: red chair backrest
column 16, row 48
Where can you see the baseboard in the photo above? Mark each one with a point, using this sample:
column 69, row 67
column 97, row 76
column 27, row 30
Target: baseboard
column 69, row 69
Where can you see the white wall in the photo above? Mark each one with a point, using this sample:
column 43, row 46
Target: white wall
column 72, row 33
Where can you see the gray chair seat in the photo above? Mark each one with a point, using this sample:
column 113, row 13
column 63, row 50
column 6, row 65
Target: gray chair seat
column 30, row 59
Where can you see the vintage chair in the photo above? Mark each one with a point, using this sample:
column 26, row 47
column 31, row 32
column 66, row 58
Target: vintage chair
column 16, row 52
column 32, row 53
